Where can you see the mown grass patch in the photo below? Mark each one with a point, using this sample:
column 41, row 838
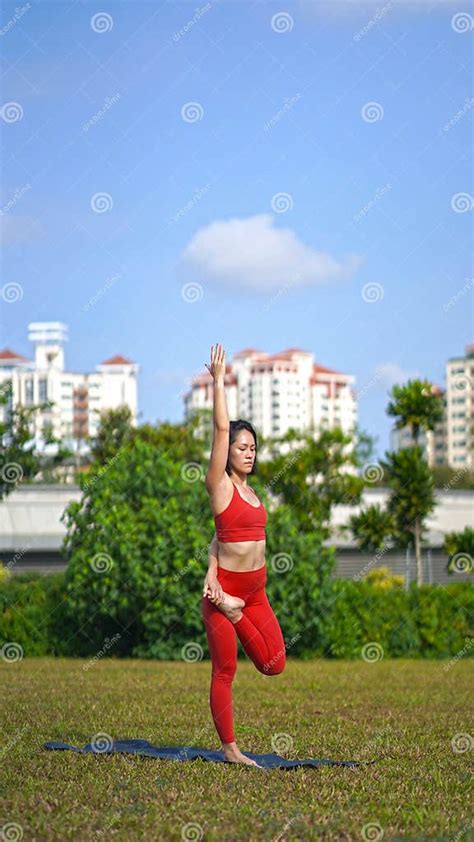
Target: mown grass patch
column 410, row 715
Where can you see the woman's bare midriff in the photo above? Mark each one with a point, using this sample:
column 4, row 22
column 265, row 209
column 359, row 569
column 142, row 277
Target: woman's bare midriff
column 241, row 556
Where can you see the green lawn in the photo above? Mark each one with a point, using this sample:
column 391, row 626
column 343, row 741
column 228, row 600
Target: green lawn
column 403, row 713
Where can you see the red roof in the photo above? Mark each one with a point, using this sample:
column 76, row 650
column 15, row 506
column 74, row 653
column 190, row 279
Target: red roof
column 324, row 369
column 117, row 360
column 246, row 352
column 7, row 354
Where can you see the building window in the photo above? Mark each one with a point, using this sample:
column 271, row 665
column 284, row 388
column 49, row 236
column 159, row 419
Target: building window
column 29, row 391
column 43, row 389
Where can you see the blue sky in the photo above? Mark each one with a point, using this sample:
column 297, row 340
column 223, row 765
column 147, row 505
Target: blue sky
column 259, row 174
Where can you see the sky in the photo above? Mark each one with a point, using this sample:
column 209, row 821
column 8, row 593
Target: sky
column 260, row 174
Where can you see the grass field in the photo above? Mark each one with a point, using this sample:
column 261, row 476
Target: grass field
column 414, row 717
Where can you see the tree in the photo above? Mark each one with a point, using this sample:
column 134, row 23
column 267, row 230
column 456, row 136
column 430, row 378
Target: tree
column 460, row 548
column 19, row 459
column 137, row 547
column 114, row 430
column 419, row 406
column 373, row 528
column 313, row 475
column 416, row 405
column 412, row 498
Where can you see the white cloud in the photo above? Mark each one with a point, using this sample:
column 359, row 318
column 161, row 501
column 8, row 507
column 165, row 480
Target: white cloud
column 250, row 254
column 388, row 373
column 342, row 9
column 19, row 229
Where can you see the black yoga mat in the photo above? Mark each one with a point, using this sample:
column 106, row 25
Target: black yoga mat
column 189, row 753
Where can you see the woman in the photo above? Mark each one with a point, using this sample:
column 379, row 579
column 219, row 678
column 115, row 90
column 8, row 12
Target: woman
column 234, row 602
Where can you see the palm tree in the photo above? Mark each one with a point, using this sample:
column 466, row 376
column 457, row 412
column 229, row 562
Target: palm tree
column 419, row 406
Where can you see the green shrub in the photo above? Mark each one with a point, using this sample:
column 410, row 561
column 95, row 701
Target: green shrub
column 430, row 622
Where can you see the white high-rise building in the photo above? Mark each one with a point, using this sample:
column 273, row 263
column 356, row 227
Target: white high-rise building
column 278, row 391
column 451, row 443
column 77, row 399
column 460, row 409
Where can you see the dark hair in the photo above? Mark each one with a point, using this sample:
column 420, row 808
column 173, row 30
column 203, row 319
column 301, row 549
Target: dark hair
column 235, row 427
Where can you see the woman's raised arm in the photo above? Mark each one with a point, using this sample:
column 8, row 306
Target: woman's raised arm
column 220, row 438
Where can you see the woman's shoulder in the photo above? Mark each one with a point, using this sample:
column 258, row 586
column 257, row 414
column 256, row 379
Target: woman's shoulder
column 221, row 494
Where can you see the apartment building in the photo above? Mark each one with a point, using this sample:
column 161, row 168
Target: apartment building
column 278, row 391
column 452, row 441
column 77, row 399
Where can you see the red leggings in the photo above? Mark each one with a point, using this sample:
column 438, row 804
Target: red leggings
column 258, row 631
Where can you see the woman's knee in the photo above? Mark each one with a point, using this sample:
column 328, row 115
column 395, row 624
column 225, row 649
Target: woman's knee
column 275, row 665
column 224, row 672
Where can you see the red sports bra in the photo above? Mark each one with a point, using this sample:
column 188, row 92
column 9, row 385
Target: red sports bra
column 241, row 521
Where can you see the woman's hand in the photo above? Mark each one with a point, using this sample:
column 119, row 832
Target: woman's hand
column 217, row 368
column 212, row 588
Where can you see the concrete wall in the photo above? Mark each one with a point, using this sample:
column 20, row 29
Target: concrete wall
column 31, row 532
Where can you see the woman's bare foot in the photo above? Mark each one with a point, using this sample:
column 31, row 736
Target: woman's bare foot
column 233, row 755
column 230, row 606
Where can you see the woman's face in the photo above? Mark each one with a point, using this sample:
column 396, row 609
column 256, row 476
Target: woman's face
column 242, row 452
